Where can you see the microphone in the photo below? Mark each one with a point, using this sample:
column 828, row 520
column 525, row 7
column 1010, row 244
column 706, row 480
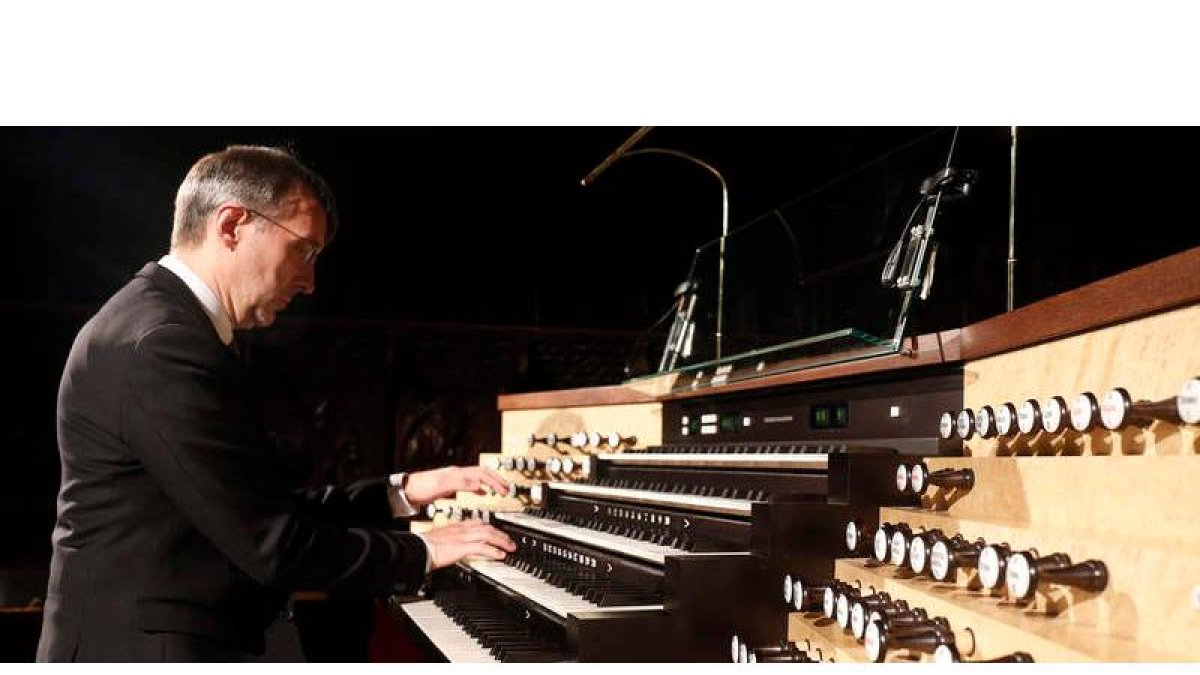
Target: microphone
column 616, row 154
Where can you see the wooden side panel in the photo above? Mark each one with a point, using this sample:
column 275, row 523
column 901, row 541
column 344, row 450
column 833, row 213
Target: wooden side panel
column 641, row 420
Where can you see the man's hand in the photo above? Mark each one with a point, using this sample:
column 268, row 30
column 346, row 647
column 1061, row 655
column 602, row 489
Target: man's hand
column 456, row 541
column 425, row 486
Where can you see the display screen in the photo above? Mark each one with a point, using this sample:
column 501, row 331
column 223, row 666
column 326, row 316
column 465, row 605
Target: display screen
column 829, row 416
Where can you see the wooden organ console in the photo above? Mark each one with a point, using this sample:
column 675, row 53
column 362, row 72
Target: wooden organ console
column 1021, row 489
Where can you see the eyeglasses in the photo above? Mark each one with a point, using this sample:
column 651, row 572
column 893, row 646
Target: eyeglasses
column 313, row 248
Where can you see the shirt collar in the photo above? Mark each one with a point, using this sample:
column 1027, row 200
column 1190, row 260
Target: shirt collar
column 208, row 299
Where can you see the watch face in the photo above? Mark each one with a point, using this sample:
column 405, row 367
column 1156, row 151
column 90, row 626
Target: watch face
column 1112, row 409
column 966, row 424
column 1004, row 419
column 881, row 545
column 989, row 567
column 939, row 561
column 899, row 548
column 1188, row 401
column 787, row 589
column 946, row 426
column 902, row 478
column 1053, row 414
column 1018, row 576
column 916, row 555
column 851, row 536
column 1027, row 417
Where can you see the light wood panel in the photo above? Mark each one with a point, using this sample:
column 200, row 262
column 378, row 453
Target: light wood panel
column 643, row 420
column 1107, row 498
column 1150, row 357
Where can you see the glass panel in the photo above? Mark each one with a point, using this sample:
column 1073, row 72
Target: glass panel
column 788, row 303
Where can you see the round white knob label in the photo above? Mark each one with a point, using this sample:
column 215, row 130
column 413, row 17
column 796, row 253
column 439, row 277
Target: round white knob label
column 939, row 561
column 1052, row 415
column 989, row 567
column 858, row 620
column 899, row 548
column 1004, row 420
column 1081, row 412
column 966, row 424
column 917, row 478
column 1027, row 417
column 872, row 642
column 946, row 426
column 1017, row 576
column 1188, row 401
column 983, row 421
column 881, row 545
column 1112, row 409
column 916, row 555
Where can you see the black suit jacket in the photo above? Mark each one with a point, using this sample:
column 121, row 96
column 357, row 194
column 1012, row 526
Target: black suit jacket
column 178, row 534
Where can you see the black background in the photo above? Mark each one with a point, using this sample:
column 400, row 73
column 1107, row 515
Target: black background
column 488, row 229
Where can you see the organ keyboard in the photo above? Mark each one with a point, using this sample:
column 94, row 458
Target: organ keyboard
column 960, row 453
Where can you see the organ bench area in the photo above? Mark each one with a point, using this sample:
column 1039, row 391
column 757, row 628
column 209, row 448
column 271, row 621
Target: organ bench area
column 1021, row 489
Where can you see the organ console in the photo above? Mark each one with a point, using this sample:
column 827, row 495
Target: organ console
column 911, row 533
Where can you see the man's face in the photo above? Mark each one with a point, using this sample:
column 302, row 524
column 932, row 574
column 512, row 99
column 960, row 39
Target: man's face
column 279, row 259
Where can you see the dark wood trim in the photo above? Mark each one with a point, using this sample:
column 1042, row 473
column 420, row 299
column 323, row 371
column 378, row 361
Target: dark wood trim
column 923, row 350
column 587, row 396
column 1165, row 284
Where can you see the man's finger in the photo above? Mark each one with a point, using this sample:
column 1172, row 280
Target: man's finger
column 490, row 552
column 499, row 539
column 493, row 480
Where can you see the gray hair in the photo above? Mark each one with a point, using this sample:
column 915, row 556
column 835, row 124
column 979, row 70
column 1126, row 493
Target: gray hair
column 259, row 177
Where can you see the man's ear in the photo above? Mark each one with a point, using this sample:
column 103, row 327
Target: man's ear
column 226, row 221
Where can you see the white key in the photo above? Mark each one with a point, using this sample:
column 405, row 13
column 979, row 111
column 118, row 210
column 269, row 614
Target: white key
column 737, row 507
column 744, row 461
column 556, row 600
column 452, row 641
column 642, row 550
